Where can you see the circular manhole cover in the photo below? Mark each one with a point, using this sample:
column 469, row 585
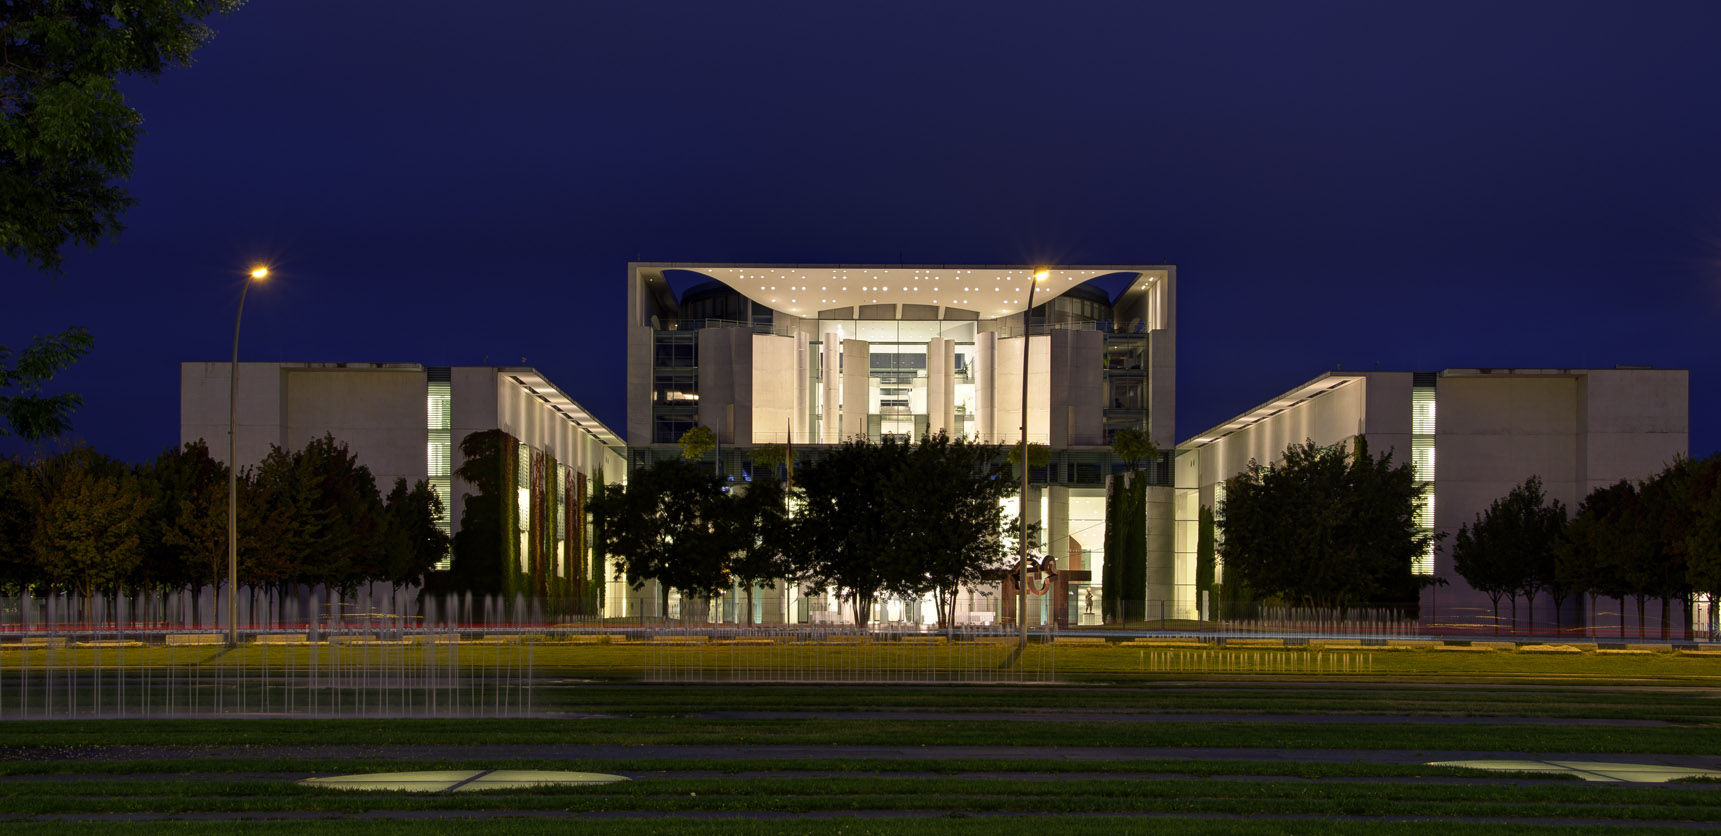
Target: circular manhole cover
column 459, row 780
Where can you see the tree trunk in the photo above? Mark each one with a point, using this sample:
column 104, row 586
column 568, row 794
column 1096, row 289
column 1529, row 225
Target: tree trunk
column 1530, row 614
column 1621, row 600
column 1496, row 599
column 1640, row 601
column 863, row 609
column 1665, row 604
column 1514, row 599
column 749, row 621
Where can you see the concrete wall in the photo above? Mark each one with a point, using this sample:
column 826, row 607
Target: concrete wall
column 1075, row 405
column 1328, row 419
column 775, row 389
column 726, row 383
column 1576, row 429
column 377, row 410
column 1007, row 389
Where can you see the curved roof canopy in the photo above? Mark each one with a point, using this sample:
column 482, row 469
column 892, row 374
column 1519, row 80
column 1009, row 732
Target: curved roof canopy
column 989, row 291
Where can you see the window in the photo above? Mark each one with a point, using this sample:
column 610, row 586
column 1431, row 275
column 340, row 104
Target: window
column 676, row 388
column 668, row 429
column 676, row 349
column 439, row 446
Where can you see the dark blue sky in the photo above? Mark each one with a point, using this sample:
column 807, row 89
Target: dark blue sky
column 1418, row 186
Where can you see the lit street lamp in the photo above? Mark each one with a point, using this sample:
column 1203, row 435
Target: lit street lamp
column 1040, row 275
column 257, row 274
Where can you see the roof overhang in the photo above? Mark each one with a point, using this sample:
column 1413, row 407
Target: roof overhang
column 1302, row 394
column 540, row 387
column 990, row 291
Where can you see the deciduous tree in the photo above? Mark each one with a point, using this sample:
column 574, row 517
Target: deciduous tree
column 1325, row 526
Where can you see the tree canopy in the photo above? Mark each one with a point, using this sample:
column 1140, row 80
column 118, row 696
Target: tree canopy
column 66, row 132
column 1510, row 548
column 900, row 518
column 1325, row 526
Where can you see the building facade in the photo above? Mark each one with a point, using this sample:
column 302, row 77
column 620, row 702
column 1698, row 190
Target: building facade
column 405, row 420
column 1471, row 434
column 815, row 355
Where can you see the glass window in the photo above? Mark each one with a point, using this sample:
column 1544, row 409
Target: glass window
column 676, row 349
column 675, row 388
column 668, row 429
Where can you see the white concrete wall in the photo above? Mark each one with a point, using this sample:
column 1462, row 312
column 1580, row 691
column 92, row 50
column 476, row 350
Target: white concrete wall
column 726, row 383
column 1576, row 429
column 856, row 363
column 1328, row 419
column 1007, row 390
column 1632, row 420
column 1075, row 412
column 380, row 415
column 985, row 393
column 377, row 410
column 774, row 389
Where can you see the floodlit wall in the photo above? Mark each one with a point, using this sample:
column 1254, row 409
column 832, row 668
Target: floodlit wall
column 1577, row 429
column 378, row 410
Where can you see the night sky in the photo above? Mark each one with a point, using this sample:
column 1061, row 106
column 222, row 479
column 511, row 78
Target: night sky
column 1378, row 185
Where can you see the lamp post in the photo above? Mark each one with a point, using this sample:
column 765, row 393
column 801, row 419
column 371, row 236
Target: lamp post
column 257, row 274
column 1039, row 275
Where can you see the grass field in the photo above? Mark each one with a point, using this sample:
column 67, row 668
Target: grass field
column 1112, row 748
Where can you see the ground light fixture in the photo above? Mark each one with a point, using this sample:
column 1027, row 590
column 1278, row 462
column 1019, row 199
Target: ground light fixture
column 258, row 273
column 1040, row 274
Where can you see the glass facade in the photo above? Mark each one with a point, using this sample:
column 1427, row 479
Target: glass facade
column 439, row 445
column 1422, row 414
column 903, row 366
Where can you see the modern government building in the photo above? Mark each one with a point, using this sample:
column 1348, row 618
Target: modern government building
column 816, row 354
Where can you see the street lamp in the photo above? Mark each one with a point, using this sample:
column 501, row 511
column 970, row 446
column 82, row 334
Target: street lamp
column 1040, row 275
column 258, row 273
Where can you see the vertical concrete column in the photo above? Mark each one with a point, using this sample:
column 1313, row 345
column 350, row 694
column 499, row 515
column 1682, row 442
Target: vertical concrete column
column 1058, row 526
column 1162, row 588
column 985, row 351
column 940, row 385
column 830, row 386
column 857, row 368
column 801, row 425
column 1033, row 510
column 935, row 377
column 947, row 362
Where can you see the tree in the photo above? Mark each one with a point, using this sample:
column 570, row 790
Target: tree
column 769, row 457
column 755, row 519
column 17, row 527
column 1206, row 556
column 950, row 522
column 1123, row 586
column 413, row 541
column 479, row 564
column 26, row 411
column 697, row 441
column 90, row 513
column 1133, row 445
column 324, row 515
column 179, row 477
column 668, row 524
column 1703, row 548
column 842, row 535
column 1605, row 551
column 1325, row 526
column 1510, row 549
column 66, row 133
column 1673, row 500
